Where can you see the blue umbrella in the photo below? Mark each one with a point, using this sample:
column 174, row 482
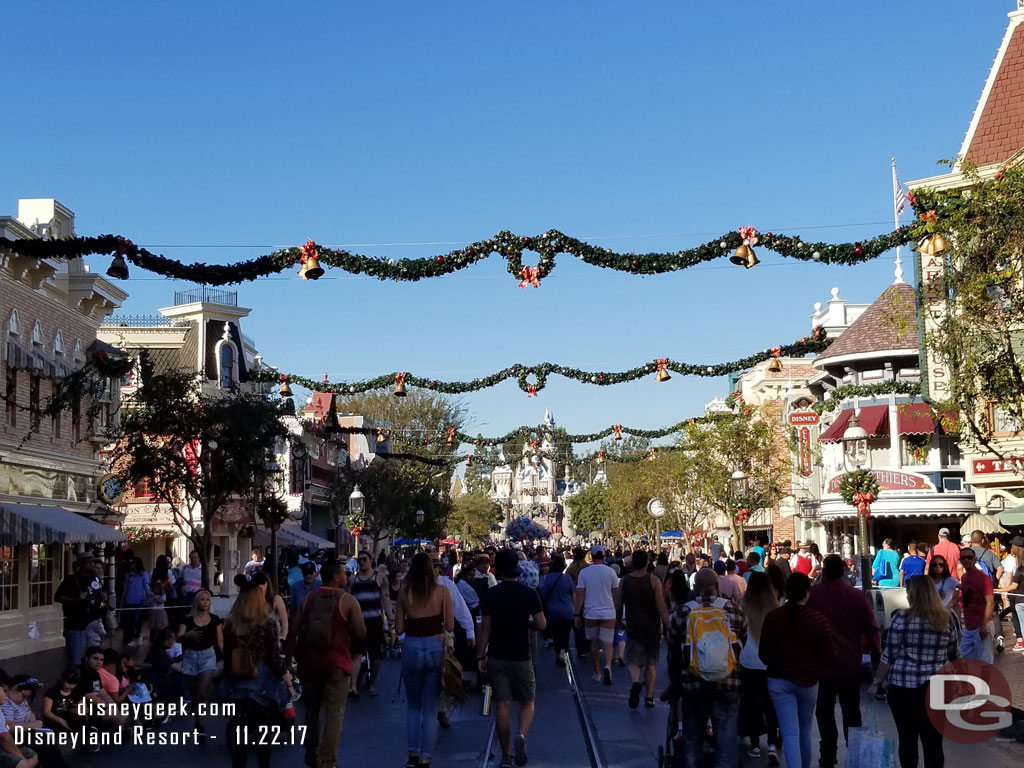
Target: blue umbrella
column 402, row 542
column 671, row 534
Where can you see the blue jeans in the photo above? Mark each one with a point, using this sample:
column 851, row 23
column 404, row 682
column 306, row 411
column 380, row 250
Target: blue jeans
column 75, row 643
column 421, row 670
column 794, row 706
column 723, row 707
column 974, row 646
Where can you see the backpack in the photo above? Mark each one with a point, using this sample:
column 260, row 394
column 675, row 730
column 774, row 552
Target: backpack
column 321, row 607
column 711, row 639
column 984, row 568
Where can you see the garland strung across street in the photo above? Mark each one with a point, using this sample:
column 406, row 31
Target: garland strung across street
column 311, row 257
column 532, row 379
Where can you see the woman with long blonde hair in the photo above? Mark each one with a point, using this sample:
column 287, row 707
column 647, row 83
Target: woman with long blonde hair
column 200, row 633
column 921, row 639
column 757, row 713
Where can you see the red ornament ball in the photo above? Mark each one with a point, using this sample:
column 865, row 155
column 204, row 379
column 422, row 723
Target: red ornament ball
column 439, row 259
column 857, row 251
column 635, row 263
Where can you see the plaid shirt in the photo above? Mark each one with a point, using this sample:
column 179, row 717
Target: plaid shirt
column 678, row 650
column 915, row 651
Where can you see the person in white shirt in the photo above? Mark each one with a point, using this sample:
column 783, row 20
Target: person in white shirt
column 464, row 620
column 597, row 593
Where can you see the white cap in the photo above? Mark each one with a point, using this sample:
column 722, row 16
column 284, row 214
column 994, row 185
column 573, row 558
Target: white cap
column 943, row 531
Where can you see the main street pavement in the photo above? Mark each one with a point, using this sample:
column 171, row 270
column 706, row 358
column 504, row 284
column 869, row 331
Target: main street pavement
column 374, row 733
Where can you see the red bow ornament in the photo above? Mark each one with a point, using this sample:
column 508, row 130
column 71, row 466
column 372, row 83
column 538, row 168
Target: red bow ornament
column 863, row 503
column 530, row 276
column 749, row 235
column 123, row 244
column 308, row 250
column 400, row 378
column 531, row 390
column 776, row 351
column 617, row 429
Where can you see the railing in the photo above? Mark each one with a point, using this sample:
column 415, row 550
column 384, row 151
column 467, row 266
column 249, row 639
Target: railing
column 141, row 321
column 206, row 294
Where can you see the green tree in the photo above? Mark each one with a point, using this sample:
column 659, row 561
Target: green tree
column 198, row 452
column 478, row 476
column 471, row 517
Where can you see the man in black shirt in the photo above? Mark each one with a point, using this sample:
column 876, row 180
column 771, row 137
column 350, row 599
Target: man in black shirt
column 507, row 609
column 81, row 600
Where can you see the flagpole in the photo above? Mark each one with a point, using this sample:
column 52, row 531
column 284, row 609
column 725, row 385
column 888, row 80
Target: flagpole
column 896, row 221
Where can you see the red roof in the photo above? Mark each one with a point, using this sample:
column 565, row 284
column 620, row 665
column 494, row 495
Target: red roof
column 999, row 128
column 889, row 323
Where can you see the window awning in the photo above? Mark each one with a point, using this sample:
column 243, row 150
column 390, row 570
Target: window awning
column 37, row 524
column 873, row 418
column 1012, row 518
column 291, row 537
column 916, row 419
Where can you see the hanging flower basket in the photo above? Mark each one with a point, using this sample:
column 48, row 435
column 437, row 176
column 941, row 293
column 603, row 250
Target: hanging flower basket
column 137, row 533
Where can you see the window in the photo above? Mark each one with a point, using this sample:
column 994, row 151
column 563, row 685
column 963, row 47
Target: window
column 1003, row 421
column 76, row 420
column 142, row 490
column 37, row 334
column 55, row 418
column 11, row 397
column 34, row 387
column 8, row 578
column 227, row 366
column 43, row 575
column 78, row 355
column 58, row 345
column 13, row 326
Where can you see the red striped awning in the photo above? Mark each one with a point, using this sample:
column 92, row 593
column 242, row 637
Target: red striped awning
column 873, row 418
column 916, row 419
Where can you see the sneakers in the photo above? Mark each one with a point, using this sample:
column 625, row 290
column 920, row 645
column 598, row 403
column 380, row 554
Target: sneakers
column 773, row 758
column 621, row 662
column 372, row 688
column 1000, row 644
column 596, row 678
column 1019, row 646
column 607, row 676
column 755, row 752
column 353, row 695
column 560, row 660
column 520, row 749
column 634, row 695
column 506, row 761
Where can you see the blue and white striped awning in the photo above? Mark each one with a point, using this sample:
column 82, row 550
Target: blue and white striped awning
column 37, row 524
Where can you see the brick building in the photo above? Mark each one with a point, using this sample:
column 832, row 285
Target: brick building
column 50, row 467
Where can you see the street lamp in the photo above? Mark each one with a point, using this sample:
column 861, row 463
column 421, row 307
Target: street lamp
column 857, row 456
column 656, row 510
column 419, row 527
column 356, row 506
column 739, row 484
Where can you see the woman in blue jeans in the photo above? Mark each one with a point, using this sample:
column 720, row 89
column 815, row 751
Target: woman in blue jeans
column 424, row 615
column 795, row 646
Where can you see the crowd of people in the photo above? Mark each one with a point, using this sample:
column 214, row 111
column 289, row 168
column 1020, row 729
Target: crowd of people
column 760, row 644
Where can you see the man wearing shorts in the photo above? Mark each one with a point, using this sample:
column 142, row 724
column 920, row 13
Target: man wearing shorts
column 507, row 609
column 646, row 615
column 596, row 595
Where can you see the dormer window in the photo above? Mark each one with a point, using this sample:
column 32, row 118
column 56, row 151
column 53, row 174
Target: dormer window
column 79, row 355
column 13, row 326
column 58, row 345
column 227, row 360
column 37, row 334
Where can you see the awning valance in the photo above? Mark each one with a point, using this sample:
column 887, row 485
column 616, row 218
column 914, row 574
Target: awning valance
column 1013, row 518
column 983, row 523
column 873, row 418
column 916, row 419
column 291, row 537
column 37, row 524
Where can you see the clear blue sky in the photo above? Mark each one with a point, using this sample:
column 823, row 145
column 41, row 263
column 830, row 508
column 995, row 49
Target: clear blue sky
column 256, row 124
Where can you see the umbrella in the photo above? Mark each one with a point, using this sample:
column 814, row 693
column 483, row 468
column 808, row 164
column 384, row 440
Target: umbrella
column 671, row 534
column 402, row 542
column 449, row 541
column 983, row 523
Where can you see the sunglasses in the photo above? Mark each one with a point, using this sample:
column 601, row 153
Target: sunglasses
column 364, row 559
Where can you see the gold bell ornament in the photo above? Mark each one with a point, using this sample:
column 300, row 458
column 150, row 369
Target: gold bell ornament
column 400, row 385
column 311, row 269
column 118, row 268
column 931, row 245
column 775, row 366
column 744, row 257
column 286, row 390
column 381, row 435
column 617, row 429
column 662, row 374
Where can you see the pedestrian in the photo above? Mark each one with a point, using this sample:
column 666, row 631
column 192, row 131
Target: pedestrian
column 643, row 601
column 716, row 548
column 256, row 680
column 796, row 646
column 986, row 558
column 191, row 577
column 81, row 603
column 505, row 635
column 461, row 641
column 912, row 563
column 783, row 559
column 803, row 562
column 556, row 598
column 1013, row 590
column 976, row 597
column 597, row 592
column 11, row 754
column 370, row 589
column 854, row 628
column 255, row 563
column 732, row 585
column 921, row 640
column 134, row 594
column 757, row 713
column 311, row 582
column 946, row 549
column 705, row 640
column 945, row 584
column 201, row 635
column 276, row 608
column 885, row 571
column 424, row 615
column 753, row 564
column 326, row 631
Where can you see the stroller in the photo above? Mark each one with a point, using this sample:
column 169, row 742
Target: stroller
column 670, row 755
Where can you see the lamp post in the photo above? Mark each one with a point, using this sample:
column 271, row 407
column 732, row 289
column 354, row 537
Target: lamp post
column 857, row 456
column 739, row 484
column 656, row 510
column 356, row 506
column 419, row 527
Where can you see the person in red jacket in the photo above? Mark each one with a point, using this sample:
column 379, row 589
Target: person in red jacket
column 948, row 549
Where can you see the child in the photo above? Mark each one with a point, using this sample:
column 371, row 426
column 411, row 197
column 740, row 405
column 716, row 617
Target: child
column 158, row 613
column 11, row 756
column 95, row 632
column 60, row 701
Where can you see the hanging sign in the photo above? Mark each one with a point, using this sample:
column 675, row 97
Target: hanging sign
column 889, row 480
column 803, row 418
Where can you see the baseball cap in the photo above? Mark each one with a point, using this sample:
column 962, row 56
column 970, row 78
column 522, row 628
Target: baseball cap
column 25, row 682
column 1017, row 541
column 309, row 568
column 943, row 531
column 597, row 551
column 719, row 567
column 506, row 563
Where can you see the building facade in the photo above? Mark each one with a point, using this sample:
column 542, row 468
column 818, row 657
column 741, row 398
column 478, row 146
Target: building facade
column 51, row 472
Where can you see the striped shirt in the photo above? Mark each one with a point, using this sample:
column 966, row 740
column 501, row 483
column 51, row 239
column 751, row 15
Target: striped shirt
column 368, row 594
column 192, row 579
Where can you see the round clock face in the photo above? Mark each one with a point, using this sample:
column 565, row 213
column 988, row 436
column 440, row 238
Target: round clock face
column 111, row 489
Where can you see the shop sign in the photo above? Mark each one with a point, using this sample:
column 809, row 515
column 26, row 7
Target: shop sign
column 890, row 480
column 806, row 460
column 804, row 418
column 994, row 466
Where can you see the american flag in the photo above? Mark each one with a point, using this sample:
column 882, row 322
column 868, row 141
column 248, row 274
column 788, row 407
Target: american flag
column 899, row 196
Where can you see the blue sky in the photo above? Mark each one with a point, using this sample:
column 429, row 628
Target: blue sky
column 654, row 126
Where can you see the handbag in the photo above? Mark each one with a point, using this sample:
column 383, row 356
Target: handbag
column 868, row 747
column 883, row 571
column 451, row 675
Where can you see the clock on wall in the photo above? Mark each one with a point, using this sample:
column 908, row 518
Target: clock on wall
column 111, row 489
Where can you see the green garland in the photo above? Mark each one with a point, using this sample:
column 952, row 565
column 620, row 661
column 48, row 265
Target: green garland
column 858, row 482
column 134, row 533
column 532, row 379
column 838, row 395
column 506, row 244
